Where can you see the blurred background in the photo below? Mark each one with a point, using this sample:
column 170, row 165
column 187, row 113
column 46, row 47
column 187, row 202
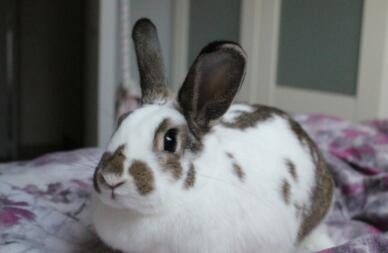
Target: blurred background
column 67, row 68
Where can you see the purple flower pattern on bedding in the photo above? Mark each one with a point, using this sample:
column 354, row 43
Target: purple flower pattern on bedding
column 12, row 211
column 357, row 155
column 45, row 203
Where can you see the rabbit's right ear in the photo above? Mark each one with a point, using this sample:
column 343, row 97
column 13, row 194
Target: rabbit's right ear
column 150, row 61
column 211, row 84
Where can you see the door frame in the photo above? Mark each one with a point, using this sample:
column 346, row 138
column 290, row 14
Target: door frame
column 259, row 37
column 180, row 41
column 107, row 80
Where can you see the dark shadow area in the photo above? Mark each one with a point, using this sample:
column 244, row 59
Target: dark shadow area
column 42, row 74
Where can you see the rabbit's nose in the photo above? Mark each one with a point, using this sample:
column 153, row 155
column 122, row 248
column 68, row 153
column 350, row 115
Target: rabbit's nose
column 115, row 186
column 107, row 181
column 112, row 186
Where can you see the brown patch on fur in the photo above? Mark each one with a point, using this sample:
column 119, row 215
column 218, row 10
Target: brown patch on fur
column 229, row 155
column 304, row 139
column 239, row 172
column 291, row 169
column 236, row 168
column 190, row 177
column 320, row 198
column 250, row 119
column 171, row 163
column 113, row 163
column 143, row 176
column 286, row 191
column 321, row 195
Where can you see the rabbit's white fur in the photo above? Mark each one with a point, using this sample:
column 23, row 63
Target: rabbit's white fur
column 221, row 212
column 317, row 239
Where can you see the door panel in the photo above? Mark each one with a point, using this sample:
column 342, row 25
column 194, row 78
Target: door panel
column 317, row 56
column 319, row 45
column 209, row 22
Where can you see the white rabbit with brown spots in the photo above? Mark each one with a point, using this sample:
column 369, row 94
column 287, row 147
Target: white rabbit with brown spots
column 194, row 173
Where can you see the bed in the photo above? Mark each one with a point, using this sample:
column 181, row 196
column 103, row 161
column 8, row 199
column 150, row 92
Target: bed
column 45, row 203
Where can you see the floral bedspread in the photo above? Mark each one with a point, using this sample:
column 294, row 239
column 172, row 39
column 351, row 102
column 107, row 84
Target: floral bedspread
column 44, row 203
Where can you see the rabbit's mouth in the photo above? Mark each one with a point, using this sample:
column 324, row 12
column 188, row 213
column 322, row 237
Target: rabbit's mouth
column 124, row 195
column 120, row 200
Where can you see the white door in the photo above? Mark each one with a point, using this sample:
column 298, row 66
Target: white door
column 324, row 56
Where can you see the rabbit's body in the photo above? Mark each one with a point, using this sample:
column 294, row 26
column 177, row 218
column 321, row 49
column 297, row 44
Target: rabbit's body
column 199, row 175
column 246, row 197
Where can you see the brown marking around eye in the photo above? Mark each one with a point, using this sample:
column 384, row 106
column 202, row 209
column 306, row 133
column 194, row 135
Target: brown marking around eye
column 190, row 177
column 236, row 168
column 170, row 161
column 286, row 191
column 159, row 133
column 143, row 176
column 291, row 169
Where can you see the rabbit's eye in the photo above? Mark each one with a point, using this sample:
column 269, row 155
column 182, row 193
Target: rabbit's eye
column 170, row 140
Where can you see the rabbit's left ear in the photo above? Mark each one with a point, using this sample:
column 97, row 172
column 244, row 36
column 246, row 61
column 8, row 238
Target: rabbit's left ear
column 211, row 84
column 150, row 61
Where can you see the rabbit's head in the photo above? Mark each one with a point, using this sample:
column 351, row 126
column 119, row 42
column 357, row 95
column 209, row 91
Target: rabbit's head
column 149, row 159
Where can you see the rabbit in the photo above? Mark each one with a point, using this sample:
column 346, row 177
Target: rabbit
column 196, row 173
